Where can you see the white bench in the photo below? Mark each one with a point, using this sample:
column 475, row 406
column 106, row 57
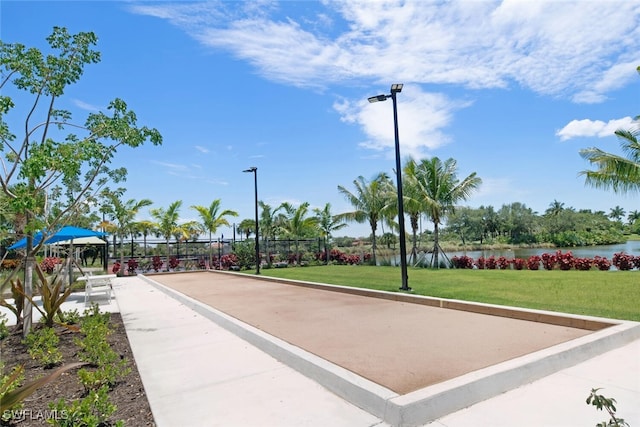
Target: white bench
column 96, row 285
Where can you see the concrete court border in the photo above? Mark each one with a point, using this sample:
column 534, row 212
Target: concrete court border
column 435, row 401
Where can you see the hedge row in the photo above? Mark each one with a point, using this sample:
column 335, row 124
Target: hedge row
column 549, row 261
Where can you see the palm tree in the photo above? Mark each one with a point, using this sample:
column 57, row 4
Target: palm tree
column 123, row 215
column 268, row 225
column 633, row 216
column 297, row 223
column 190, row 230
column 617, row 213
column 438, row 189
column 413, row 204
column 167, row 221
column 369, row 200
column 615, row 172
column 247, row 226
column 327, row 222
column 213, row 217
column 146, row 228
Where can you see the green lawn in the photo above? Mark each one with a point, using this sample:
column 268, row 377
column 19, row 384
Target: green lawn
column 611, row 294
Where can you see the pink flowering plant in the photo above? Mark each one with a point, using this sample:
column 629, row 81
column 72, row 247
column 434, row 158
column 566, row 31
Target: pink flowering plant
column 132, row 265
column 48, row 264
column 533, row 262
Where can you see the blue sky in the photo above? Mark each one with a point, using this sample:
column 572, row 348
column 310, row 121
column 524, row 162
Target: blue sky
column 512, row 90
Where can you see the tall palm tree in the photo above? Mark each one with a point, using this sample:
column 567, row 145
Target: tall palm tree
column 327, row 223
column 212, row 218
column 146, row 228
column 369, row 200
column 438, row 189
column 247, row 226
column 297, row 223
column 268, row 225
column 123, row 215
column 414, row 206
column 167, row 222
column 190, row 230
column 633, row 216
column 617, row 213
column 617, row 173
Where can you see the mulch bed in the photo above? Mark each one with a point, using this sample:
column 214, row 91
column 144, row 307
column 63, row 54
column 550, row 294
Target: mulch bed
column 128, row 394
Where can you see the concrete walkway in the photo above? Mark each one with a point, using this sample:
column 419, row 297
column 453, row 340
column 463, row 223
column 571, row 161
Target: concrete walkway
column 198, row 374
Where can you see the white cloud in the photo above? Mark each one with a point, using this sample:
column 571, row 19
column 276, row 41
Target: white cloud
column 591, row 128
column 575, row 49
column 171, row 166
column 202, row 149
column 86, row 106
column 422, row 121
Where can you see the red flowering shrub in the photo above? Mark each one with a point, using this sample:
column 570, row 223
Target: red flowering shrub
column 174, row 262
column 583, row 264
column 533, row 262
column 340, row 257
column 116, row 267
column 202, row 264
column 564, row 260
column 503, row 263
column 353, row 259
column 480, row 263
column 491, row 263
column 228, row 261
column 549, row 261
column 636, row 262
column 518, row 263
column 156, row 263
column 602, row 263
column 132, row 265
column 49, row 264
column 623, row 261
column 462, row 261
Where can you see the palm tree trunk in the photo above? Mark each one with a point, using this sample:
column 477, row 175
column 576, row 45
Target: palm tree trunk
column 414, row 229
column 436, row 246
column 373, row 243
column 167, row 266
column 210, row 251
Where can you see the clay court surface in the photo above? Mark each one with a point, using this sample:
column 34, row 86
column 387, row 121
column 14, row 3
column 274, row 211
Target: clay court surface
column 401, row 346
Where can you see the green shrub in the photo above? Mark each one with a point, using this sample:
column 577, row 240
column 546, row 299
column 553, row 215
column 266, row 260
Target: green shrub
column 69, row 317
column 4, row 330
column 107, row 366
column 42, row 345
column 93, row 410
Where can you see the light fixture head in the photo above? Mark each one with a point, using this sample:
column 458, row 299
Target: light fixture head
column 396, row 87
column 378, row 98
column 251, row 169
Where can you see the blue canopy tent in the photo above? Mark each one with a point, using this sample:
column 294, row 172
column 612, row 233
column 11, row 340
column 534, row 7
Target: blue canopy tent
column 66, row 235
column 68, row 232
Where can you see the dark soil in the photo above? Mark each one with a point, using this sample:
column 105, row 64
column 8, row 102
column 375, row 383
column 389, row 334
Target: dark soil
column 128, row 394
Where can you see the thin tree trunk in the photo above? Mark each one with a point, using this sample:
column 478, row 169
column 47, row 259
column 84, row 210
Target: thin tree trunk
column 436, row 246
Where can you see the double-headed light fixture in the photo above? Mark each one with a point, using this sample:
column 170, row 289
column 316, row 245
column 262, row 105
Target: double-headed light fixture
column 397, row 88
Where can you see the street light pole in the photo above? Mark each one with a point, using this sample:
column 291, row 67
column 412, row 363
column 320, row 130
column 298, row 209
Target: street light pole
column 255, row 184
column 395, row 89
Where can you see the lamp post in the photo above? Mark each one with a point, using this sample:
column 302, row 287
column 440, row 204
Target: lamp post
column 255, row 184
column 395, row 89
